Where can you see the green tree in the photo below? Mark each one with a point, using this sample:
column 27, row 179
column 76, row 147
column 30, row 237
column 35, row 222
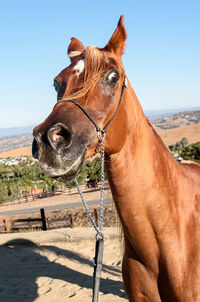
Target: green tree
column 94, row 170
column 192, row 152
column 179, row 146
column 18, row 180
column 3, row 193
column 184, row 141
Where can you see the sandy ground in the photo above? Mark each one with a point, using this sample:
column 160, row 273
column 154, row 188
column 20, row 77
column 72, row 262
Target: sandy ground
column 35, row 270
column 57, row 265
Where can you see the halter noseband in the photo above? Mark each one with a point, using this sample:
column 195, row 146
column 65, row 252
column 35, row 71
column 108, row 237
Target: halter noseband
column 98, row 129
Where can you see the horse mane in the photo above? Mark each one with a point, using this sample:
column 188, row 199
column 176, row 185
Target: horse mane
column 94, row 68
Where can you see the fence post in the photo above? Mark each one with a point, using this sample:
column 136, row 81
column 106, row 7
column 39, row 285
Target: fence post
column 43, row 218
column 7, row 225
column 71, row 218
column 2, row 227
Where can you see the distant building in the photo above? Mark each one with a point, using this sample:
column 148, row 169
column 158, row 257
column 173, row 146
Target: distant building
column 13, row 161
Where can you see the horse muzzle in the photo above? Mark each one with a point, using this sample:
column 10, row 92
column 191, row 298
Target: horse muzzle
column 60, row 155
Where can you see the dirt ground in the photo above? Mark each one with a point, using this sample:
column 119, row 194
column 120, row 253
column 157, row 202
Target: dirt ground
column 58, row 271
column 34, row 271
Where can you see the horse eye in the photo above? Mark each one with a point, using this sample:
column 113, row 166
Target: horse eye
column 112, row 77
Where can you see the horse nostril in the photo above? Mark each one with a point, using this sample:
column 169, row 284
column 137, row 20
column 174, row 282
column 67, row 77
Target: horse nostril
column 35, row 149
column 60, row 136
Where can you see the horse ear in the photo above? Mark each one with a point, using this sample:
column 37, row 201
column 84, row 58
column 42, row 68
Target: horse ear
column 116, row 43
column 75, row 48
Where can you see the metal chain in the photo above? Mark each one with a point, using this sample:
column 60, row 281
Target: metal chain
column 99, row 231
column 102, row 153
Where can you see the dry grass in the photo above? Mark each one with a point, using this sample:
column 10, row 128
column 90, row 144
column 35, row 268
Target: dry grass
column 171, row 136
column 22, row 151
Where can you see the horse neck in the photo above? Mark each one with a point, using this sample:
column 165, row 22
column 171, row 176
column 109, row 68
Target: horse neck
column 144, row 160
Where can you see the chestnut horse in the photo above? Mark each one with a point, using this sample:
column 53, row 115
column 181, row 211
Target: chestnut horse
column 157, row 199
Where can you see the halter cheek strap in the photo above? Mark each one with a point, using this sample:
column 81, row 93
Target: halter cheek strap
column 124, row 85
column 98, row 129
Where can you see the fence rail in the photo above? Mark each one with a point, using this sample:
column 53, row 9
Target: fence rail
column 8, row 225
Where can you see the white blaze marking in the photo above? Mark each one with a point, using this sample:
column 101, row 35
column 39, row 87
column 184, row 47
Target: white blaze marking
column 79, row 67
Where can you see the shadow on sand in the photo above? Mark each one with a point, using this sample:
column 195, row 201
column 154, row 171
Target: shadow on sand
column 20, row 257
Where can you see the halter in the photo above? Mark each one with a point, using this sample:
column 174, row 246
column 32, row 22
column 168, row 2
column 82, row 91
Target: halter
column 101, row 133
column 98, row 129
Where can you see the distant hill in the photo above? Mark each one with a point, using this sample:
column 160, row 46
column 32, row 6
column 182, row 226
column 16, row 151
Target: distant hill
column 12, row 142
column 170, row 136
column 157, row 114
column 179, row 119
column 163, row 121
column 153, row 115
column 7, row 132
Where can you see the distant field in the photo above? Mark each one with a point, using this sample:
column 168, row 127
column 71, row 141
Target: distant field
column 170, row 136
column 22, row 151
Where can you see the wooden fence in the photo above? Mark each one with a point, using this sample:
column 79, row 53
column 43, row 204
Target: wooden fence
column 8, row 225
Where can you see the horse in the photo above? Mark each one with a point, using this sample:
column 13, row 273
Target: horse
column 157, row 198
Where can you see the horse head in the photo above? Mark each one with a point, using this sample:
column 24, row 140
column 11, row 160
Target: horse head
column 88, row 94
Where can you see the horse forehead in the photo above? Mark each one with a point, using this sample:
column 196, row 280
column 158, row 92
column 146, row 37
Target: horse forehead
column 75, row 68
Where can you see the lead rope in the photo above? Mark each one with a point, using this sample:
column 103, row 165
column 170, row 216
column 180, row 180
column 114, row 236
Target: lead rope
column 99, row 231
column 101, row 133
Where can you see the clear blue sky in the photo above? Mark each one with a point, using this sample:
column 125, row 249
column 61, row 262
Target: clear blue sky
column 162, row 58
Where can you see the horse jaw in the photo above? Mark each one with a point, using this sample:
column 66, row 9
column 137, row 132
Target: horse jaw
column 64, row 169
